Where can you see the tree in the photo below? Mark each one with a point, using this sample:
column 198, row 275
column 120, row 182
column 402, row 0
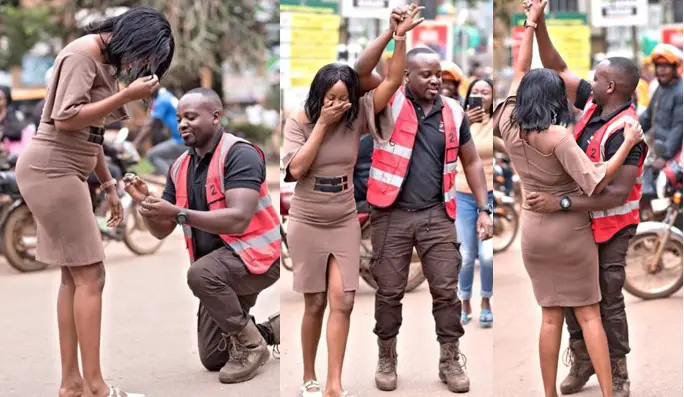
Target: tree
column 23, row 28
column 206, row 32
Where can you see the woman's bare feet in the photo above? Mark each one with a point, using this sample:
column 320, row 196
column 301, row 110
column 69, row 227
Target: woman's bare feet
column 75, row 391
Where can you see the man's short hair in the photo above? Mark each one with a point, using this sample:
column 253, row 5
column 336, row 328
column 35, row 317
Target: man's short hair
column 209, row 94
column 627, row 74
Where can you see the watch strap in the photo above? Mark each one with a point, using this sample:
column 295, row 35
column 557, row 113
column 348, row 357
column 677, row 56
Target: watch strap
column 530, row 23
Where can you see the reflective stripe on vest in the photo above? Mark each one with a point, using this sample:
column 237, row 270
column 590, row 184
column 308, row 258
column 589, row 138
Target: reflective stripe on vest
column 607, row 223
column 259, row 244
column 391, row 160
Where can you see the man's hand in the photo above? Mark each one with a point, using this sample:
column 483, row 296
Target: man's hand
column 136, row 187
column 542, row 202
column 158, row 209
column 485, row 227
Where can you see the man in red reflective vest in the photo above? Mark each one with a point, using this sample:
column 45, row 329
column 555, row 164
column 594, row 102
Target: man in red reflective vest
column 217, row 192
column 607, row 107
column 411, row 188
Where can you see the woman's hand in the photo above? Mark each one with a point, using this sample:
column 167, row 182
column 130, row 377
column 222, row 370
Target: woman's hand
column 475, row 115
column 398, row 14
column 142, row 88
column 633, row 134
column 115, row 208
column 408, row 23
column 135, row 187
column 331, row 112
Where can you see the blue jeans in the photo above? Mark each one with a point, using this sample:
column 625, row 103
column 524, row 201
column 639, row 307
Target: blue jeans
column 163, row 155
column 472, row 247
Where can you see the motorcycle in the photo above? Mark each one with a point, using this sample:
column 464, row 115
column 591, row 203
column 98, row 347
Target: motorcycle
column 416, row 276
column 124, row 156
column 654, row 254
column 506, row 218
column 512, row 188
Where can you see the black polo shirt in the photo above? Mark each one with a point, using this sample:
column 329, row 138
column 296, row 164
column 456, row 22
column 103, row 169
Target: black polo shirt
column 597, row 121
column 244, row 168
column 422, row 187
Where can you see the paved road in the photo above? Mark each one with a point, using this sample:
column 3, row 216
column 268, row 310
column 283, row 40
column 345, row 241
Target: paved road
column 417, row 348
column 149, row 340
column 655, row 363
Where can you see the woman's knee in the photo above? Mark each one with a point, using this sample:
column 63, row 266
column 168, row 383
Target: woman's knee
column 67, row 279
column 315, row 304
column 342, row 303
column 588, row 314
column 552, row 316
column 90, row 276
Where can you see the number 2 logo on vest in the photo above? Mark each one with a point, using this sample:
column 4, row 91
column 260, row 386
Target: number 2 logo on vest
column 593, row 153
column 212, row 189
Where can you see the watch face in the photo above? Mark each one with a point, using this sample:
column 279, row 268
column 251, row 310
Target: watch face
column 565, row 203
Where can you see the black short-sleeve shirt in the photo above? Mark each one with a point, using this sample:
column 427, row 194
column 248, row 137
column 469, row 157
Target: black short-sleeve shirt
column 597, row 121
column 244, row 168
column 422, row 187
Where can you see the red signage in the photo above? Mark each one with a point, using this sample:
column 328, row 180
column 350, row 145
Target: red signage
column 672, row 34
column 435, row 35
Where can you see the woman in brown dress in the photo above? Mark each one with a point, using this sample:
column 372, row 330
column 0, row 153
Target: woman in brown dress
column 320, row 148
column 83, row 95
column 559, row 252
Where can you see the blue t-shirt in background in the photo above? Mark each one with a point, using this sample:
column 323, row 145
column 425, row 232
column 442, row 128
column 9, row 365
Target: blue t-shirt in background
column 164, row 109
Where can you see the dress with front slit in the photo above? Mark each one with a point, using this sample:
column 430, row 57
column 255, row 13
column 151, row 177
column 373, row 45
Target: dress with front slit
column 322, row 218
column 52, row 171
column 558, row 249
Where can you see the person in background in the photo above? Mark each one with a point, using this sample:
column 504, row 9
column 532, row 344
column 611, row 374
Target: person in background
column 663, row 118
column 163, row 115
column 10, row 125
column 452, row 78
column 479, row 114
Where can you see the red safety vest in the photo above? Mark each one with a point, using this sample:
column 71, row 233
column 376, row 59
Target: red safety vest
column 390, row 161
column 607, row 223
column 259, row 245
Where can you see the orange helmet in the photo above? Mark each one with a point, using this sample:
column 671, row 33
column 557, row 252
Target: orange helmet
column 667, row 53
column 451, row 71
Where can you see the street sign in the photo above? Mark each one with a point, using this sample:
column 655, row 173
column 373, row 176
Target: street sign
column 570, row 34
column 309, row 34
column 672, row 34
column 369, row 9
column 606, row 13
column 436, row 35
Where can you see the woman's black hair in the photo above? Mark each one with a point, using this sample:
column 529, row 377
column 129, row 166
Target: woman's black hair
column 470, row 90
column 8, row 94
column 541, row 101
column 140, row 37
column 327, row 77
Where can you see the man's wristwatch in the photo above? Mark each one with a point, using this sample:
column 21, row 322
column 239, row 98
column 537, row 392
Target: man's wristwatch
column 486, row 208
column 182, row 217
column 565, row 203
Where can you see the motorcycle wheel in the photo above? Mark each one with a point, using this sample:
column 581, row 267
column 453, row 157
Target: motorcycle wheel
column 416, row 276
column 284, row 252
column 505, row 217
column 12, row 241
column 132, row 223
column 638, row 261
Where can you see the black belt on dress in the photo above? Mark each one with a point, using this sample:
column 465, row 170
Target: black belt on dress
column 96, row 135
column 330, row 184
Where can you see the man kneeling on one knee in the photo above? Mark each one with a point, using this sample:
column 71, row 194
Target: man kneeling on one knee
column 217, row 192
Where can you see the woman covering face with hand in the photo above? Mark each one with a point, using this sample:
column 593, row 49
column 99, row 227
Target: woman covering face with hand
column 321, row 144
column 83, row 95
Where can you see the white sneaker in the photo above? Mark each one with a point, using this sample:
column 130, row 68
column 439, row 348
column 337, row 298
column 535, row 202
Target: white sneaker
column 116, row 392
column 311, row 389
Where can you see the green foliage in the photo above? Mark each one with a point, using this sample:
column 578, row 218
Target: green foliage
column 257, row 134
column 23, row 27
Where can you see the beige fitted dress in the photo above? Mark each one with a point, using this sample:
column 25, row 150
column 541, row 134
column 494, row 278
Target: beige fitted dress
column 558, row 249
column 52, row 171
column 322, row 224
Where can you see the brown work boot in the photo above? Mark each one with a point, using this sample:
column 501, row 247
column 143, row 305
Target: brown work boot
column 248, row 352
column 452, row 364
column 581, row 368
column 386, row 371
column 620, row 378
